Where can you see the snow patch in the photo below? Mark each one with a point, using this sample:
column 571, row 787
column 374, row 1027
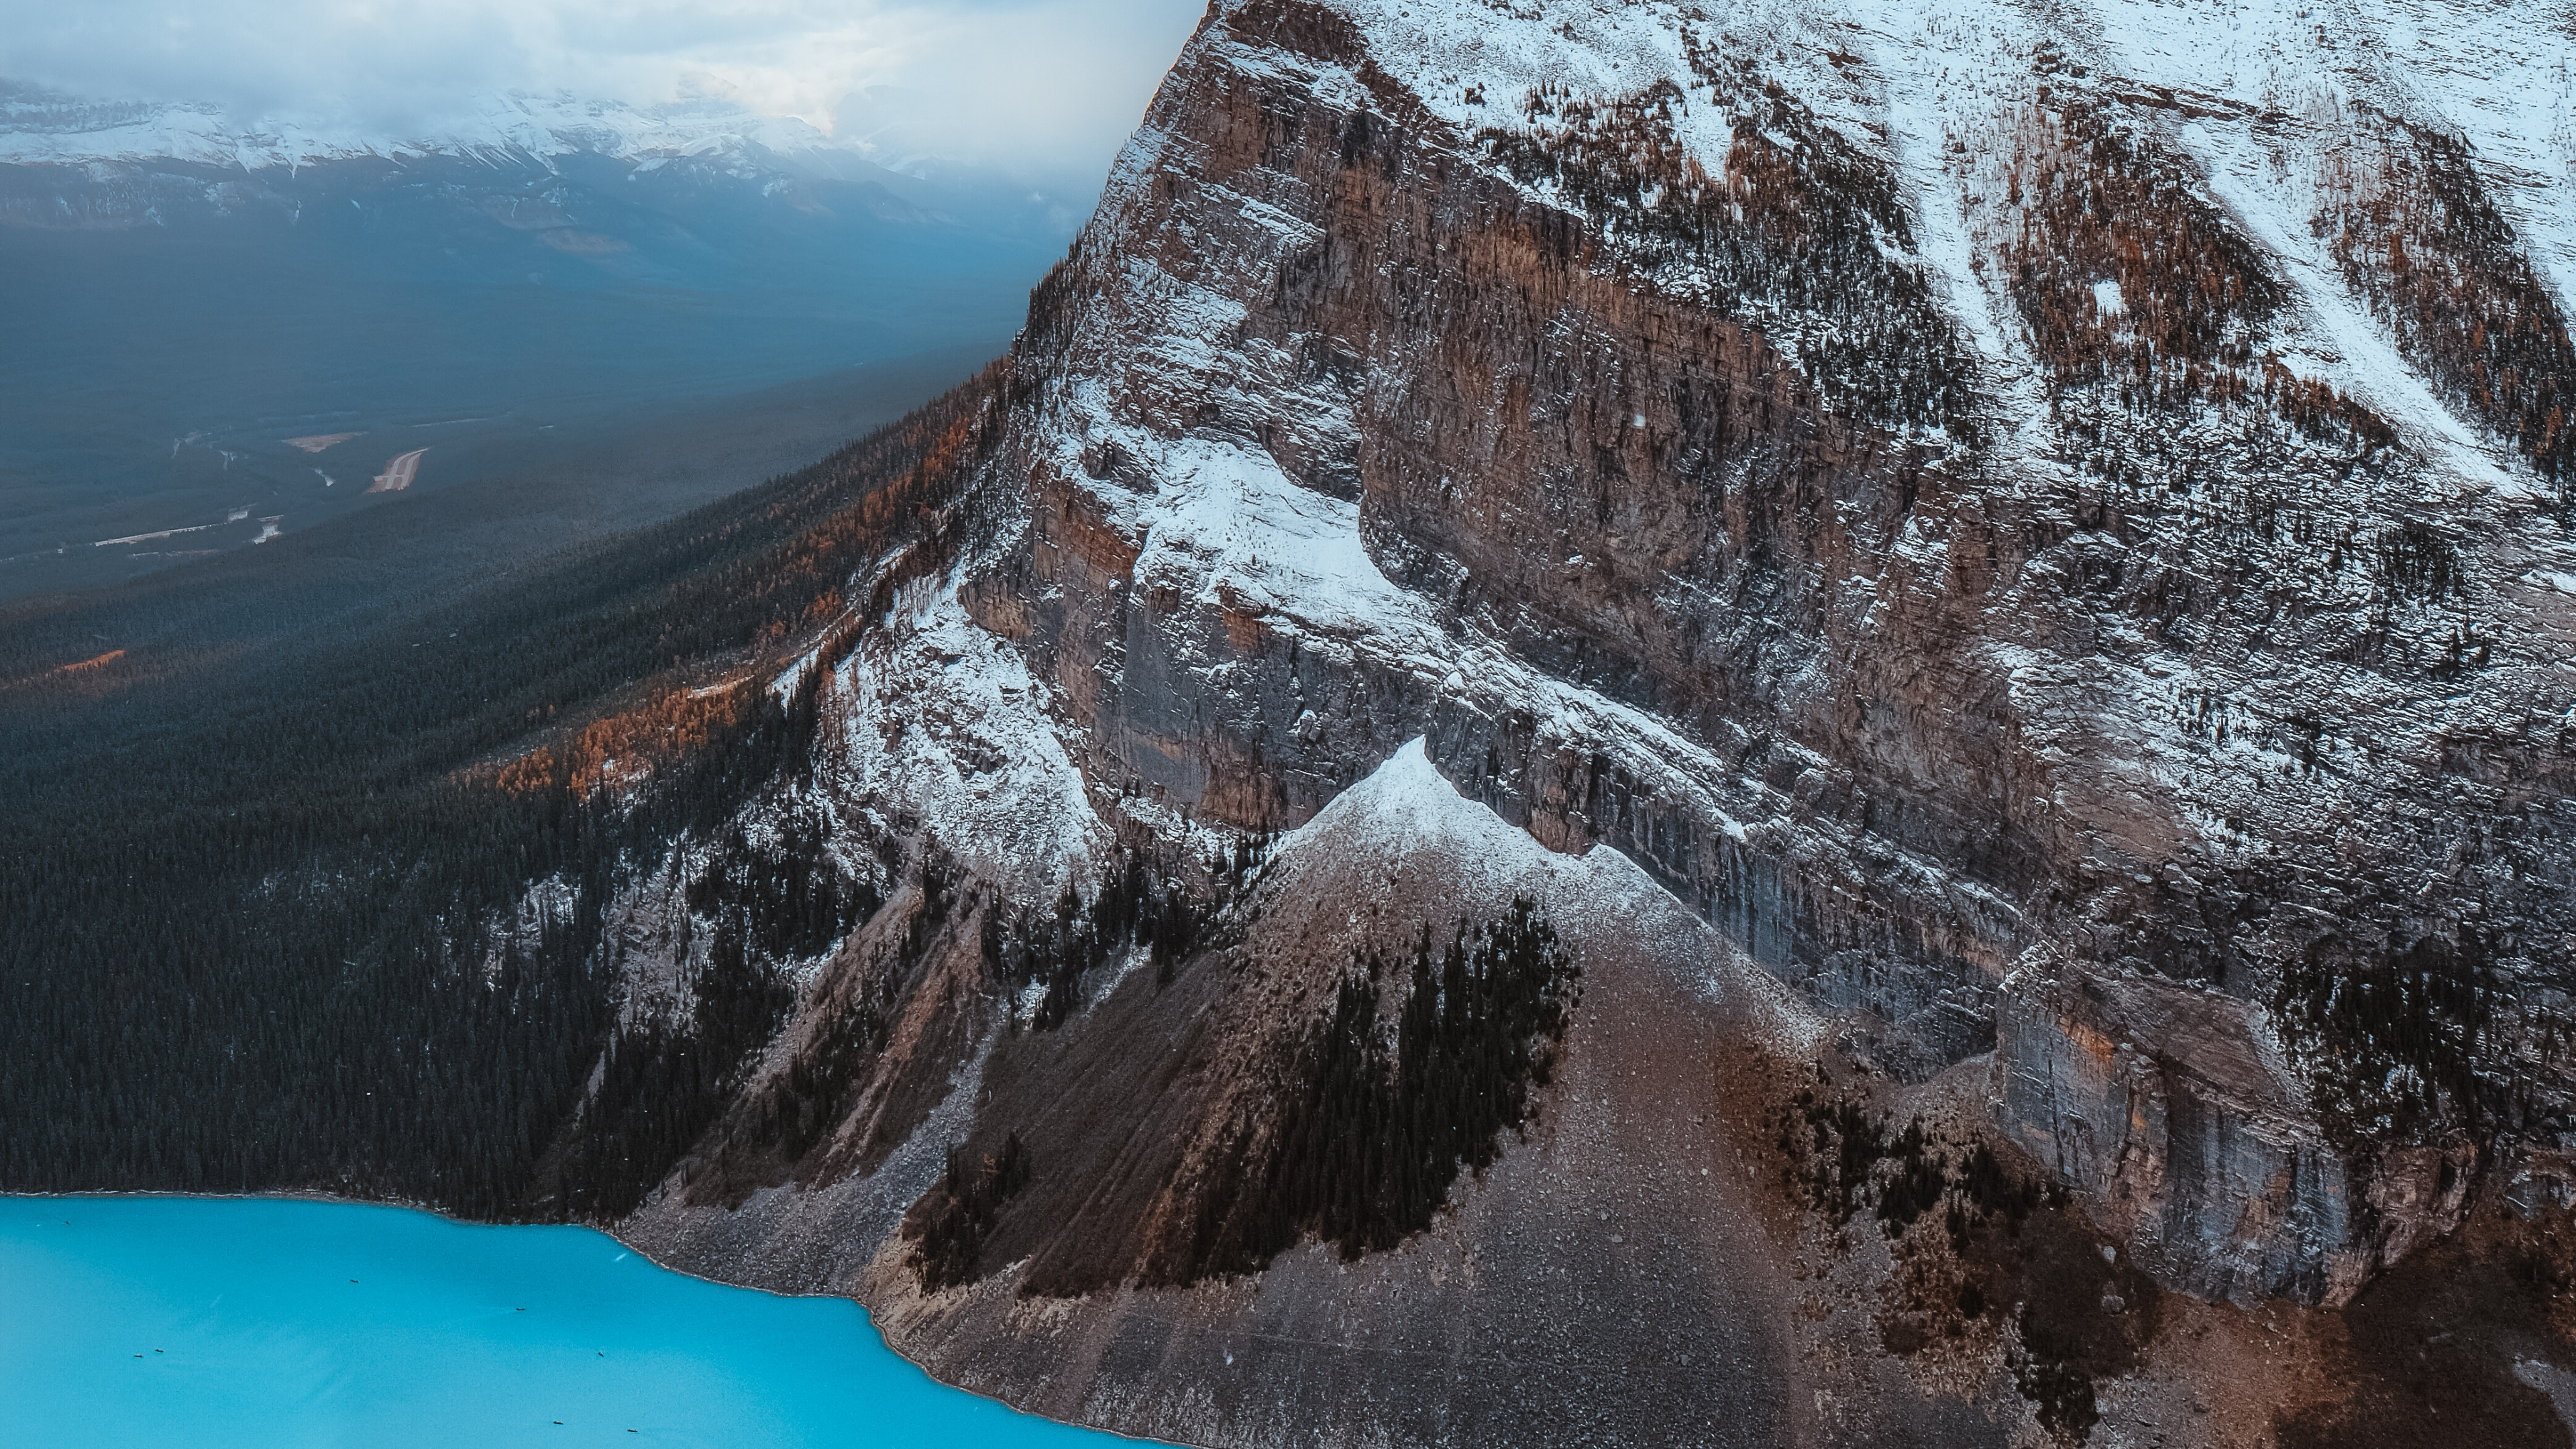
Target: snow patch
column 943, row 724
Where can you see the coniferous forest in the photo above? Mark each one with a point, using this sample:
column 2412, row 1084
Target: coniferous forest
column 266, row 922
column 1374, row 1127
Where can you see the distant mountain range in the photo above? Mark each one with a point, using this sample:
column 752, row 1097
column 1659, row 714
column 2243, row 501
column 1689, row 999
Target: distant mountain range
column 187, row 290
column 89, row 155
column 41, row 127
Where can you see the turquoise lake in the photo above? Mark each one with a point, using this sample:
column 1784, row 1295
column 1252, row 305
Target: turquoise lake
column 246, row 1321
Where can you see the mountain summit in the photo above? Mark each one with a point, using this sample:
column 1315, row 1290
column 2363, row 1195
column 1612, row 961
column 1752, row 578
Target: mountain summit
column 1650, row 726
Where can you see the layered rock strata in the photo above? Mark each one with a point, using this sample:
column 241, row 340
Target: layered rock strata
column 2019, row 570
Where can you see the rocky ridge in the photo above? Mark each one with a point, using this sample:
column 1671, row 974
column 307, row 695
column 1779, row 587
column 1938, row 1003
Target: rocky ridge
column 2003, row 584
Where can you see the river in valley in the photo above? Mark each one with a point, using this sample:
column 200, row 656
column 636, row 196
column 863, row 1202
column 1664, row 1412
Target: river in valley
column 169, row 1321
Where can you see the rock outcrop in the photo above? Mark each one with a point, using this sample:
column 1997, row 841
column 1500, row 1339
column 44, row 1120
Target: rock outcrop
column 1996, row 575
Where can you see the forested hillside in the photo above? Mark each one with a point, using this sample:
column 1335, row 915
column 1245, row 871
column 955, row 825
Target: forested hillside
column 278, row 931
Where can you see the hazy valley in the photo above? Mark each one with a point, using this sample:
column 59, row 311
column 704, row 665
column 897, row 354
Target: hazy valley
column 188, row 303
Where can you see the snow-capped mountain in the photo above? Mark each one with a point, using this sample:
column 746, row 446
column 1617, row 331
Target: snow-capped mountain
column 2045, row 529
column 43, row 128
column 96, row 161
column 1812, row 723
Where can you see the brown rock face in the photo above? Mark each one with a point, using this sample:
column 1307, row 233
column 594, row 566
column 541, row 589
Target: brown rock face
column 2054, row 735
column 1956, row 710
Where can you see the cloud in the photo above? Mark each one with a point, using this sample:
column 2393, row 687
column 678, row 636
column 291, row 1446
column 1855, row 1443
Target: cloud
column 1049, row 87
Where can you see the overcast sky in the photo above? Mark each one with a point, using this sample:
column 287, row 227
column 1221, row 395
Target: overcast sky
column 1056, row 84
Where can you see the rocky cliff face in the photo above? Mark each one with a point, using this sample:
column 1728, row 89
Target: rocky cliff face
column 1998, row 587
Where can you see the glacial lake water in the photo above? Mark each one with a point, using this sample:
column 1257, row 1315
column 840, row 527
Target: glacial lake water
column 209, row 1322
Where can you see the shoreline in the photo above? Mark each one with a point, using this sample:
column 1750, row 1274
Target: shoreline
column 866, row 1314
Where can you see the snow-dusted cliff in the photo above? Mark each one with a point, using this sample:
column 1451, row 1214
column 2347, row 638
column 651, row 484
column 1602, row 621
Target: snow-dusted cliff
column 2017, row 558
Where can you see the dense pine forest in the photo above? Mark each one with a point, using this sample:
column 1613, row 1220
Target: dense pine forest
column 266, row 919
column 1375, row 1127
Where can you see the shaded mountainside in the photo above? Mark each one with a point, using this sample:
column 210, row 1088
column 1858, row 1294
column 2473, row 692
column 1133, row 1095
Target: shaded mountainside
column 1635, row 727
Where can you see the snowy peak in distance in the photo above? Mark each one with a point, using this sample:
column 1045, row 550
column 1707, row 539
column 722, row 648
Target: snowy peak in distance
column 39, row 127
